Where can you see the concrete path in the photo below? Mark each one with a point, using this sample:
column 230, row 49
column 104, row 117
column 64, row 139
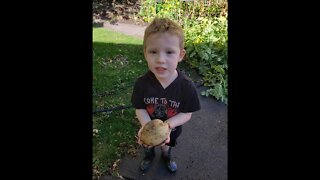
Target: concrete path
column 128, row 29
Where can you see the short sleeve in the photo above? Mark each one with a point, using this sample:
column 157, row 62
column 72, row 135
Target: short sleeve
column 137, row 95
column 190, row 101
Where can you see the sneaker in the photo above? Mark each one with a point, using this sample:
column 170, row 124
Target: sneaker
column 147, row 160
column 171, row 165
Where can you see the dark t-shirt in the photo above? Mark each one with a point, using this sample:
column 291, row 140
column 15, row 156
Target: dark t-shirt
column 160, row 103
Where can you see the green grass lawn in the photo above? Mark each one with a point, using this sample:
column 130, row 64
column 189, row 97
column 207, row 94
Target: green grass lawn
column 117, row 62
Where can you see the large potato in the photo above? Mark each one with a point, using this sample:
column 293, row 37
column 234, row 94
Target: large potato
column 154, row 133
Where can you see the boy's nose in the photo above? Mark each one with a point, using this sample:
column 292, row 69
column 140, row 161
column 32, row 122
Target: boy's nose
column 160, row 59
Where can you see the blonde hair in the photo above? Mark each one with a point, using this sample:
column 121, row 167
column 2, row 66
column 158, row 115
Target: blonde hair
column 163, row 25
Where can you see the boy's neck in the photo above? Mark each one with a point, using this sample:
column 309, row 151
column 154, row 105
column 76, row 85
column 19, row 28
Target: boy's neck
column 166, row 82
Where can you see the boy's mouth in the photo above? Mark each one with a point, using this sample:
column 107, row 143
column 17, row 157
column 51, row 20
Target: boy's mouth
column 160, row 69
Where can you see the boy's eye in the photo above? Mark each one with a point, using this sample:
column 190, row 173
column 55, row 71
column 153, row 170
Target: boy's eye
column 170, row 52
column 152, row 52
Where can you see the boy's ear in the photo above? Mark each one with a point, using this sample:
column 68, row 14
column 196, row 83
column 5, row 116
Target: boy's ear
column 182, row 54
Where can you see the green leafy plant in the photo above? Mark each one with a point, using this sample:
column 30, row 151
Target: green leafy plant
column 206, row 45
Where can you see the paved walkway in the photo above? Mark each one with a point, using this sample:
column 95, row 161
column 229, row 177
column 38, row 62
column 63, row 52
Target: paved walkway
column 128, row 29
column 201, row 152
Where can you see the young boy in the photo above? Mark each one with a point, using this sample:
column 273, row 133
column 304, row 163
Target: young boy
column 164, row 92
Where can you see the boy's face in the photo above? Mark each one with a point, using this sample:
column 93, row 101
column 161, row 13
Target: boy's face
column 163, row 53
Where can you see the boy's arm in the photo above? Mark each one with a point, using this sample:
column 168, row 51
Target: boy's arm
column 175, row 121
column 143, row 116
column 179, row 119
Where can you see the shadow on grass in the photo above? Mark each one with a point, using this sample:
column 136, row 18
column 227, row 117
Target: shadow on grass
column 115, row 69
column 110, row 49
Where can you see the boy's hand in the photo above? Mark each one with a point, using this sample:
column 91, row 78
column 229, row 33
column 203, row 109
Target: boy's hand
column 139, row 141
column 168, row 139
